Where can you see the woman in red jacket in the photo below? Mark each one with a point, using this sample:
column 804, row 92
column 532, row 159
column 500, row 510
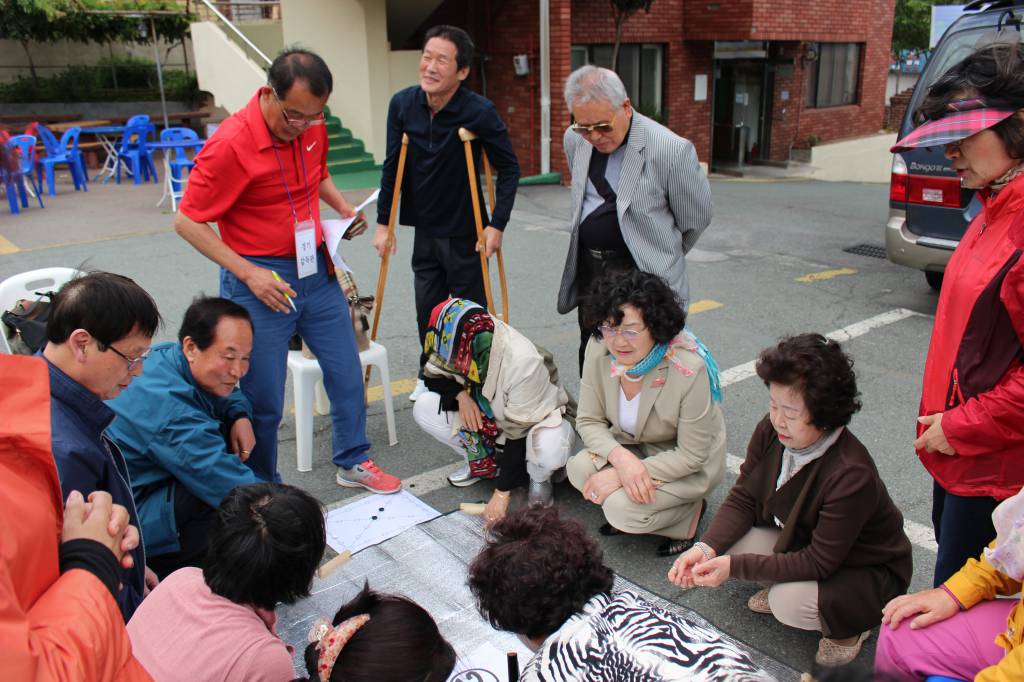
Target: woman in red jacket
column 971, row 423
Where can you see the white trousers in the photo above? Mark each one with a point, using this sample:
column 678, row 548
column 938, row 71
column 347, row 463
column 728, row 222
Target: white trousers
column 547, row 448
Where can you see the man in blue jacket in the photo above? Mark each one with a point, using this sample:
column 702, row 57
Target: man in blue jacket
column 435, row 192
column 98, row 334
column 186, row 430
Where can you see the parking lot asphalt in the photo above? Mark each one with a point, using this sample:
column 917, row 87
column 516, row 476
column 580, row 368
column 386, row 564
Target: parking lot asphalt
column 772, row 263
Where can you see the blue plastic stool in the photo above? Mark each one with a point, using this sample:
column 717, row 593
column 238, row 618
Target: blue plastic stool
column 940, row 678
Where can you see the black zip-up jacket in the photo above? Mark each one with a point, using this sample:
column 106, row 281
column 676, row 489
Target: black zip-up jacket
column 435, row 188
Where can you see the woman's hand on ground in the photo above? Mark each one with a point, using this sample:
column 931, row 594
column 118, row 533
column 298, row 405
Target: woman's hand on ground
column 933, row 439
column 469, row 412
column 713, row 572
column 496, row 507
column 636, row 480
column 930, row 606
column 681, row 573
column 602, row 484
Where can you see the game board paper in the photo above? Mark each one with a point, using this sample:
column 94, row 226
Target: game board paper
column 374, row 519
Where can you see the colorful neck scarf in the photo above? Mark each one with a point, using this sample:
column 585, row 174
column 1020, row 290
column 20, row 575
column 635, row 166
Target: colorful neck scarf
column 459, row 343
column 686, row 340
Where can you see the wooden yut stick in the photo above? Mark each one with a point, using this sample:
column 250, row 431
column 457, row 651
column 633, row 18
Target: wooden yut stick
column 467, row 138
column 334, row 564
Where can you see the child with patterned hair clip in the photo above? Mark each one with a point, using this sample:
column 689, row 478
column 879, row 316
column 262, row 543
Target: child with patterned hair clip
column 378, row 637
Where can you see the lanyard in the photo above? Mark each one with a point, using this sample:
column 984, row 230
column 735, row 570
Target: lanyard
column 305, row 181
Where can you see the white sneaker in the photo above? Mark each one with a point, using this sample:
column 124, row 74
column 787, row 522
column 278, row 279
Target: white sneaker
column 420, row 389
column 461, row 477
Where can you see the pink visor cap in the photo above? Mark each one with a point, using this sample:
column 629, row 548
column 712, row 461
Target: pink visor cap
column 966, row 117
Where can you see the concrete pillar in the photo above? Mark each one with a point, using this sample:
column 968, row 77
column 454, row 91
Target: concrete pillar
column 351, row 36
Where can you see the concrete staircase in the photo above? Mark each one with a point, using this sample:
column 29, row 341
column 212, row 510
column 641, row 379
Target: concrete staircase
column 345, row 154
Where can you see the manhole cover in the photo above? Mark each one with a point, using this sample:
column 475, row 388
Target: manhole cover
column 869, row 250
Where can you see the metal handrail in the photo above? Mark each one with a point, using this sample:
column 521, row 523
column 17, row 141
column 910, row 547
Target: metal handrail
column 238, row 33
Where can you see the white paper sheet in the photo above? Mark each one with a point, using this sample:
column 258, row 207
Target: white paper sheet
column 487, row 663
column 375, row 519
column 335, row 229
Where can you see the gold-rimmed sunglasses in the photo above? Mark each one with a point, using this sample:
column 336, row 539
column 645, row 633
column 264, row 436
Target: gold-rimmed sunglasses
column 603, row 128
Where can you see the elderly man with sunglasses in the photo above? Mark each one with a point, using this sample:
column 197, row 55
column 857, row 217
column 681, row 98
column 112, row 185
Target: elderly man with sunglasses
column 261, row 178
column 639, row 198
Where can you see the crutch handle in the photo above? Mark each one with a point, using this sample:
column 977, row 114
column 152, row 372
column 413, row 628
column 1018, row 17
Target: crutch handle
column 466, row 135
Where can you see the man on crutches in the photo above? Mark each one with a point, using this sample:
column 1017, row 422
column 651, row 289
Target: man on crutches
column 435, row 193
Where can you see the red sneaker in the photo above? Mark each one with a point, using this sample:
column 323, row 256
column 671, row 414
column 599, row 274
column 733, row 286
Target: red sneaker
column 368, row 475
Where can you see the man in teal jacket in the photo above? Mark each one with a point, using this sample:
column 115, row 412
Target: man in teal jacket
column 185, row 430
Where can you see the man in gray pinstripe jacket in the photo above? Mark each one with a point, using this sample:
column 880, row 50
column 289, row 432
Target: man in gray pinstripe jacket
column 639, row 197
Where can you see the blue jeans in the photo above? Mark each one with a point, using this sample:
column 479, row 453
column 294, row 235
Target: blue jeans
column 323, row 322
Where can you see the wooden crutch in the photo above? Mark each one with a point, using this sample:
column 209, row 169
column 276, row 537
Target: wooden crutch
column 467, row 138
column 382, row 277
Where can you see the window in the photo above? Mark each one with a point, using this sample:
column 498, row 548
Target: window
column 833, row 77
column 640, row 68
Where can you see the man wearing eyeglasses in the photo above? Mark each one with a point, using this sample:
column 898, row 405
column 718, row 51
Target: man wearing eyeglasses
column 261, row 178
column 435, row 187
column 98, row 333
column 639, row 197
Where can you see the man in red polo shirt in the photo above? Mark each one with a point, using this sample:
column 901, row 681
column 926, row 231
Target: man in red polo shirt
column 261, row 178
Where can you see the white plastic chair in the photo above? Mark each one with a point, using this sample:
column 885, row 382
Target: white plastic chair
column 307, row 377
column 25, row 285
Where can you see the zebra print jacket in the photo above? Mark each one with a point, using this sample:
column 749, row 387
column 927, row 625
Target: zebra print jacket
column 622, row 638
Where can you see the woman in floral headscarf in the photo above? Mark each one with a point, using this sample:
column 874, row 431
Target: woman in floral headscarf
column 494, row 398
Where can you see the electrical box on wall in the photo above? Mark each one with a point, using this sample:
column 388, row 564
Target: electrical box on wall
column 521, row 64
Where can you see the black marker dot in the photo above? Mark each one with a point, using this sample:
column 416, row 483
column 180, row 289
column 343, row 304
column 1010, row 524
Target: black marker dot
column 381, row 509
column 374, row 518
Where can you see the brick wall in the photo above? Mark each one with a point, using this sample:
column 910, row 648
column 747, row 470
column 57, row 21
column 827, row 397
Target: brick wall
column 897, row 109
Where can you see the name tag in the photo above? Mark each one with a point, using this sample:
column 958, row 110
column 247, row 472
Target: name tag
column 305, row 248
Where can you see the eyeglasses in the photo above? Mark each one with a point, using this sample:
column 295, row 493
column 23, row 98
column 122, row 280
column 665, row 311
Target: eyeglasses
column 298, row 120
column 603, row 128
column 609, row 332
column 132, row 362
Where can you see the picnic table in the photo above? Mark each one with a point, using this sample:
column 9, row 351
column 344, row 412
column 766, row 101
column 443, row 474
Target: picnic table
column 167, row 148
column 60, row 128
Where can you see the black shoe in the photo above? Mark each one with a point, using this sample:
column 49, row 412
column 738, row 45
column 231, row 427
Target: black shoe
column 673, row 547
column 608, row 530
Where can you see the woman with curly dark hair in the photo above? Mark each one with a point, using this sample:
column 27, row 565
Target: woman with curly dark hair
column 542, row 577
column 970, row 435
column 649, row 414
column 809, row 514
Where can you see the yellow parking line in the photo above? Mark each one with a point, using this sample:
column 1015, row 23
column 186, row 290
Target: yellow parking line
column 398, row 387
column 826, row 274
column 6, row 246
column 703, row 305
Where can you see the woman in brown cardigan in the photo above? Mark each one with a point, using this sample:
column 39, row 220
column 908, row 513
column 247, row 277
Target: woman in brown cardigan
column 809, row 514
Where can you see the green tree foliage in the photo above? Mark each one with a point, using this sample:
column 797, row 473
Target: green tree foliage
column 621, row 11
column 912, row 23
column 88, row 21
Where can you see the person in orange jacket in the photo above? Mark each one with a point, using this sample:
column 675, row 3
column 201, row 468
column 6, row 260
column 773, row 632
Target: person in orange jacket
column 59, row 568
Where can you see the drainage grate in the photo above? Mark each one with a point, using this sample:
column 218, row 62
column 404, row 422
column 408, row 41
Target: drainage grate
column 869, row 250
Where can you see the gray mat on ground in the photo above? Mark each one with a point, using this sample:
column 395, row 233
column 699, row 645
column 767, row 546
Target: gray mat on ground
column 428, row 564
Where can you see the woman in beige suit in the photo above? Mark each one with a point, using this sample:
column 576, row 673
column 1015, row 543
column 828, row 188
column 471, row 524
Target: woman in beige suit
column 649, row 413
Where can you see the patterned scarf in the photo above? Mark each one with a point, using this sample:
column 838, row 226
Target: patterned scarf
column 1006, row 178
column 458, row 342
column 686, row 340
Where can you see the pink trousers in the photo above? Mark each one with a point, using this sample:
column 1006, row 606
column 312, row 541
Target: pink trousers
column 957, row 647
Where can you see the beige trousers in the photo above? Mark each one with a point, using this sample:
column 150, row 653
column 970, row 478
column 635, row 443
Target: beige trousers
column 794, row 604
column 668, row 515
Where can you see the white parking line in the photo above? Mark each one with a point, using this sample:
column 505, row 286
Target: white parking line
column 919, row 534
column 746, row 370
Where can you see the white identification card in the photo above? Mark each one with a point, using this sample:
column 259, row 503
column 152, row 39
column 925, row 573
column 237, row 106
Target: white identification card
column 305, row 248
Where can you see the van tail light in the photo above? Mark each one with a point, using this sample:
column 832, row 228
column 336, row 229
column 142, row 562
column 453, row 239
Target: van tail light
column 899, row 183
column 925, row 190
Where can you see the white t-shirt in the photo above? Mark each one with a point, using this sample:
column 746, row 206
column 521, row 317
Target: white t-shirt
column 627, row 412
